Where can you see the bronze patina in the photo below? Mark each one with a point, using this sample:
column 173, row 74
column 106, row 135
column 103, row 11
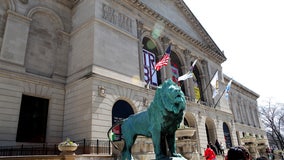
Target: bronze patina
column 160, row 122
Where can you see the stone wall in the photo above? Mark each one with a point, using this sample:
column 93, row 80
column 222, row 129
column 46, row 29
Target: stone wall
column 12, row 87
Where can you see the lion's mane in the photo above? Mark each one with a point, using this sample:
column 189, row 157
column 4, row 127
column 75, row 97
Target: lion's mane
column 168, row 104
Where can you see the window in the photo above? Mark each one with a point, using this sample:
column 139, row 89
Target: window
column 32, row 120
column 197, row 85
column 227, row 135
column 150, row 58
column 176, row 70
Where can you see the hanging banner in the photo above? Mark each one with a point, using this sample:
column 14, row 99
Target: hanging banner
column 175, row 73
column 196, row 89
column 197, row 93
column 150, row 75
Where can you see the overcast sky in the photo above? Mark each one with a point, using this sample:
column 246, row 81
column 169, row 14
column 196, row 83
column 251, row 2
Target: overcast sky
column 251, row 34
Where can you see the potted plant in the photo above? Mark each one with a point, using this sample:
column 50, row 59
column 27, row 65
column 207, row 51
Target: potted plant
column 67, row 147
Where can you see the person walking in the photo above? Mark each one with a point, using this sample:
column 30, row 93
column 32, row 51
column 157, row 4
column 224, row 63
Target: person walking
column 213, row 148
column 209, row 154
column 222, row 146
column 217, row 144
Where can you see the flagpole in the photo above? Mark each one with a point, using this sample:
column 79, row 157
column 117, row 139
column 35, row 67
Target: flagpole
column 228, row 86
column 168, row 51
column 151, row 76
column 220, row 98
column 208, row 84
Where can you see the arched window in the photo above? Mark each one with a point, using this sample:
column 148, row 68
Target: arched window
column 176, row 70
column 120, row 111
column 210, row 130
column 197, row 85
column 227, row 135
column 150, row 57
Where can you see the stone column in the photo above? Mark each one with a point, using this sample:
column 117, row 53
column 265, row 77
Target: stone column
column 167, row 69
column 15, row 38
column 256, row 114
column 206, row 83
column 140, row 47
column 188, row 88
column 192, row 58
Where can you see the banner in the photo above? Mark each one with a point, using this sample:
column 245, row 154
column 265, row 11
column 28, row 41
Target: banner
column 150, row 75
column 196, row 89
column 197, row 93
column 175, row 73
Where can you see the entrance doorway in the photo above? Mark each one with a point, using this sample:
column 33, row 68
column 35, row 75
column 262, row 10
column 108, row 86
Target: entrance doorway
column 121, row 110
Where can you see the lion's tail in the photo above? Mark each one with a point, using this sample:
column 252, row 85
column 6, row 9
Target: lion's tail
column 117, row 144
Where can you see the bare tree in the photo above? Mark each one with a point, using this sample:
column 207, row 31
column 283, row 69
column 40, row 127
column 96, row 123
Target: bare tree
column 272, row 116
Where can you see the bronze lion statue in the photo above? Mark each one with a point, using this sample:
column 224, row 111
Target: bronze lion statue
column 160, row 122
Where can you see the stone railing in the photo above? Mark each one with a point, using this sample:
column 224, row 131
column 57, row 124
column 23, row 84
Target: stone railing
column 248, row 139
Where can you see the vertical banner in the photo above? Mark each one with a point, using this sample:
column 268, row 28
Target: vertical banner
column 196, row 89
column 197, row 93
column 150, row 75
column 175, row 73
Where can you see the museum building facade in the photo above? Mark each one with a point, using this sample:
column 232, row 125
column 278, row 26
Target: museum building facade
column 73, row 68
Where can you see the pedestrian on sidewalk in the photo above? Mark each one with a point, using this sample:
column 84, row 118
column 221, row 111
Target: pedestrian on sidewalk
column 209, row 154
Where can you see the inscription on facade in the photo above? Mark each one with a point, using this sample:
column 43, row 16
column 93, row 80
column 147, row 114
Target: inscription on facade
column 116, row 18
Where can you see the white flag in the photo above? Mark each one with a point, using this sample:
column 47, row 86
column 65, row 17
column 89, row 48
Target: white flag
column 228, row 87
column 192, row 66
column 185, row 76
column 188, row 74
column 215, row 85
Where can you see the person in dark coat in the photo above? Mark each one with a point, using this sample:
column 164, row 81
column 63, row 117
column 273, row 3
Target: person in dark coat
column 218, row 146
column 238, row 153
column 213, row 147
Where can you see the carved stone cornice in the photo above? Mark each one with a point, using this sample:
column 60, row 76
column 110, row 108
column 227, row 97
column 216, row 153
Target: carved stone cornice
column 211, row 49
column 197, row 25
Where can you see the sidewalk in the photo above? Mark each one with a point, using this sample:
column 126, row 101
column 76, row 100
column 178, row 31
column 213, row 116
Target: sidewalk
column 219, row 157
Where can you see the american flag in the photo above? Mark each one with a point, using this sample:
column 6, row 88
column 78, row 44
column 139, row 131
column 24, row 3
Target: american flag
column 164, row 60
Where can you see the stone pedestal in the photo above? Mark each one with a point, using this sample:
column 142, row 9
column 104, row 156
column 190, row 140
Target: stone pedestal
column 195, row 156
column 69, row 157
column 175, row 158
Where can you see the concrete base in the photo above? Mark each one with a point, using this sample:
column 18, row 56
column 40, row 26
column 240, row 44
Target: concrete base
column 172, row 158
column 177, row 158
column 146, row 156
column 151, row 156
